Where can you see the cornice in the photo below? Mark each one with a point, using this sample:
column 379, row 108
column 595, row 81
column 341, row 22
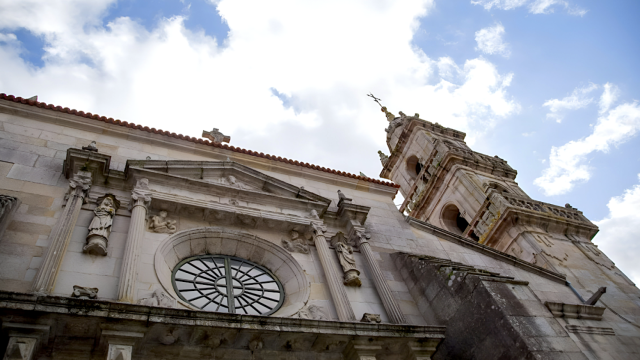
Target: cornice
column 486, row 250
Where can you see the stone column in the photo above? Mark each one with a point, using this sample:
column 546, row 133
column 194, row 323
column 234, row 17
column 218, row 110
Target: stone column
column 390, row 305
column 336, row 288
column 140, row 199
column 60, row 236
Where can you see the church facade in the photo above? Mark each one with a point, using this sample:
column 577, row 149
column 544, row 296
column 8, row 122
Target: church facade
column 119, row 241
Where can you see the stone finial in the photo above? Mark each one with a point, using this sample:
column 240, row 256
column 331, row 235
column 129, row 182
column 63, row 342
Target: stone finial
column 82, row 292
column 384, row 159
column 363, row 174
column 389, row 115
column 371, row 318
column 91, row 147
column 216, row 136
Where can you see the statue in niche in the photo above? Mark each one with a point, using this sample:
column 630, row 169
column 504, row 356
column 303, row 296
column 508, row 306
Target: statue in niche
column 160, row 224
column 347, row 260
column 100, row 227
column 296, row 244
column 313, row 312
column 158, row 298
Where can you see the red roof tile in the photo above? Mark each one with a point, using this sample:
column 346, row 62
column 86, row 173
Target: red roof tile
column 187, row 138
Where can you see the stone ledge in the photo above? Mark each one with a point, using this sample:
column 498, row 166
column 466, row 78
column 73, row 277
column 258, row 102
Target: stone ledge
column 575, row 311
column 114, row 310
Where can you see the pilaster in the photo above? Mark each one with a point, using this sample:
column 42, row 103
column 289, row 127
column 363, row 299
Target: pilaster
column 336, row 288
column 141, row 198
column 388, row 301
column 60, row 236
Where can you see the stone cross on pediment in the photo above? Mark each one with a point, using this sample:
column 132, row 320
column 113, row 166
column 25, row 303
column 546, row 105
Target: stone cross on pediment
column 216, row 136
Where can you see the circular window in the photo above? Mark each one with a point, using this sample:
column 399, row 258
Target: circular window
column 227, row 284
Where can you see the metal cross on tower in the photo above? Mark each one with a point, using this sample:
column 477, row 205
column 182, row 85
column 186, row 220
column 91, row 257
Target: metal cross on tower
column 374, row 98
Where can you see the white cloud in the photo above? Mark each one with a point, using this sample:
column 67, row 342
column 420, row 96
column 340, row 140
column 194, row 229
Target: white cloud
column 534, row 6
column 620, row 230
column 490, row 41
column 578, row 99
column 609, row 96
column 568, row 163
column 172, row 78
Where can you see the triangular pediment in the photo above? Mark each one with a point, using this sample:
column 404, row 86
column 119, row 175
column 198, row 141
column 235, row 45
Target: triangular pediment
column 223, row 178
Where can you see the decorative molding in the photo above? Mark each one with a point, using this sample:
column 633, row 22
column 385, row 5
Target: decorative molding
column 590, row 330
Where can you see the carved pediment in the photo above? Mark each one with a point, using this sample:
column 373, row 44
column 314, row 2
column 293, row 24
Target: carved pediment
column 226, row 192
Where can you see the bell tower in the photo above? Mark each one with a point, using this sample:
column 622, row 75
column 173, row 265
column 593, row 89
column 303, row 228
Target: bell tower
column 474, row 195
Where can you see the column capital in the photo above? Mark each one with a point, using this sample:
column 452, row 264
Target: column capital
column 141, row 194
column 359, row 236
column 319, row 228
column 79, row 184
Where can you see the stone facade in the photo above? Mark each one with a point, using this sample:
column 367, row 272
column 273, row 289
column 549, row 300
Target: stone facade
column 425, row 288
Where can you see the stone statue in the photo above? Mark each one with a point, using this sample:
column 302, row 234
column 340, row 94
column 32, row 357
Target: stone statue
column 160, row 224
column 313, row 312
column 384, row 159
column 314, row 215
column 82, row 292
column 158, row 298
column 347, row 260
column 100, row 227
column 296, row 244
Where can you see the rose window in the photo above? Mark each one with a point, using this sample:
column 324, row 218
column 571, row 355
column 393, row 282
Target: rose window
column 227, row 284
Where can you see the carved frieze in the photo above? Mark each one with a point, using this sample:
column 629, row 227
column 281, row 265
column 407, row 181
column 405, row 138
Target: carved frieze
column 313, row 312
column 160, row 224
column 296, row 243
column 158, row 298
column 100, row 226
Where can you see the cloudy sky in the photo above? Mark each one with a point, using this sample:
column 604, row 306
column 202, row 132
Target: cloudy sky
column 549, row 85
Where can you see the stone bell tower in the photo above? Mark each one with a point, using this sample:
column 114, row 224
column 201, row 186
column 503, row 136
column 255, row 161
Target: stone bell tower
column 474, row 195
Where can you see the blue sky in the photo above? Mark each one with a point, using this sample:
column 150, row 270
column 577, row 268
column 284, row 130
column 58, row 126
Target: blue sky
column 521, row 77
